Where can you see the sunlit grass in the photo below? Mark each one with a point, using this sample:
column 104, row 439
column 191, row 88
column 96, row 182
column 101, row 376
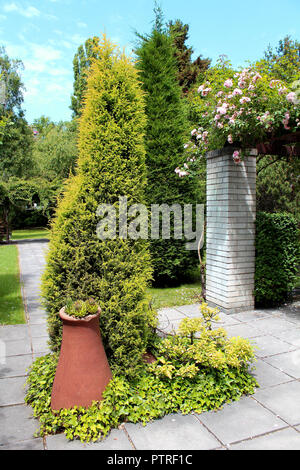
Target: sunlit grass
column 11, row 303
column 175, row 296
column 30, row 233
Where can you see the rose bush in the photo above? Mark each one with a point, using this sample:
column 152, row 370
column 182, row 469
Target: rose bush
column 240, row 108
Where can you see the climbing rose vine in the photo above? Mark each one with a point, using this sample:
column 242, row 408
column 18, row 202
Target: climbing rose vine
column 240, row 108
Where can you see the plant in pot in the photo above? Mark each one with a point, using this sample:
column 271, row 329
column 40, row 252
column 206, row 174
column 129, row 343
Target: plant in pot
column 83, row 371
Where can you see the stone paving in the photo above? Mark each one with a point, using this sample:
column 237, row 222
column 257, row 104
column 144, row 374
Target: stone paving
column 269, row 419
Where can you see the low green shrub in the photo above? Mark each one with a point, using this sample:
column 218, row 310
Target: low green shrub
column 277, row 257
column 199, row 369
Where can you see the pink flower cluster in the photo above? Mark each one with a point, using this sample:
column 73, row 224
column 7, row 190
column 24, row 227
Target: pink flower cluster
column 242, row 110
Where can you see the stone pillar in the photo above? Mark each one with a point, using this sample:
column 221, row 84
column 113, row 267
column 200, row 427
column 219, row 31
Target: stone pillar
column 230, row 223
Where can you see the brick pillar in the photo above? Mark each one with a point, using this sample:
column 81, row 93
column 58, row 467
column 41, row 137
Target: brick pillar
column 230, row 250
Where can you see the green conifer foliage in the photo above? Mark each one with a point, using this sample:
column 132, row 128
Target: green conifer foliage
column 111, row 164
column 166, row 133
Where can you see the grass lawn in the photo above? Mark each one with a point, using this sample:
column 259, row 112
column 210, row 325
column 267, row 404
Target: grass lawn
column 11, row 303
column 29, row 233
column 175, row 296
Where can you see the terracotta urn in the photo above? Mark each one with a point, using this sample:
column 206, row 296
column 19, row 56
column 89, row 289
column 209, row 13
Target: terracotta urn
column 83, row 371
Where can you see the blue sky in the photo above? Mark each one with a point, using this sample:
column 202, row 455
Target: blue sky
column 45, row 35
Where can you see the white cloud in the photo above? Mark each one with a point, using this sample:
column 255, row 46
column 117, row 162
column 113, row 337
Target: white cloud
column 59, row 71
column 80, row 24
column 28, row 12
column 45, row 53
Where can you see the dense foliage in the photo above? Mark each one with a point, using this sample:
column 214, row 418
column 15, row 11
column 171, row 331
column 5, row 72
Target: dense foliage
column 277, row 257
column 166, row 130
column 283, row 63
column 189, row 375
column 115, row 272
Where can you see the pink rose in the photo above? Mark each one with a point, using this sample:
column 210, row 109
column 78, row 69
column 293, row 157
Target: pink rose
column 245, row 99
column 237, row 91
column 242, row 83
column 221, row 110
column 256, row 77
column 291, row 97
column 228, row 83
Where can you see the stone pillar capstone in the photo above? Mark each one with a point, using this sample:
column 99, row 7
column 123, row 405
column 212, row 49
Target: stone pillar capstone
column 230, row 222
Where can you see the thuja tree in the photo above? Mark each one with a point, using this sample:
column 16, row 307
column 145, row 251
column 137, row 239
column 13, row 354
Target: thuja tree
column 111, row 163
column 165, row 136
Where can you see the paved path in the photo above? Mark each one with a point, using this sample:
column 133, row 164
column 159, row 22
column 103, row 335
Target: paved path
column 270, row 419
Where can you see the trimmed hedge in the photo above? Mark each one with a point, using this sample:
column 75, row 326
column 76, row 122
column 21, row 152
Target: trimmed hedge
column 115, row 272
column 277, row 257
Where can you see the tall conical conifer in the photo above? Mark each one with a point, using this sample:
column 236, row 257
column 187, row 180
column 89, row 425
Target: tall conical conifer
column 166, row 132
column 111, row 164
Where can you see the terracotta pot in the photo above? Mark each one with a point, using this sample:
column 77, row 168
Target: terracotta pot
column 83, row 371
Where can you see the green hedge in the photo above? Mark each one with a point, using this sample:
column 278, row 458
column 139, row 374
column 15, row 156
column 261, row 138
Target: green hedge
column 277, row 257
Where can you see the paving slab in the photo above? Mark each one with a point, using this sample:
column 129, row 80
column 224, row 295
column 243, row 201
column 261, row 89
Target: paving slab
column 173, row 432
column 240, row 420
column 268, row 345
column 267, row 375
column 12, row 391
column 288, row 362
column 273, row 325
column 17, row 424
column 227, row 320
column 285, row 439
column 38, row 320
column 290, row 336
column 39, row 331
column 116, row 440
column 30, row 444
column 170, row 314
column 282, row 400
column 189, row 310
column 251, row 315
column 14, row 332
column 18, row 347
column 41, row 345
column 245, row 330
column 290, row 312
column 15, row 366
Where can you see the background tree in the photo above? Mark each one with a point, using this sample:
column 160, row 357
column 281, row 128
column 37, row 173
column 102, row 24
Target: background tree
column 189, row 71
column 55, row 149
column 284, row 62
column 111, row 164
column 166, row 131
column 16, row 136
column 81, row 65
